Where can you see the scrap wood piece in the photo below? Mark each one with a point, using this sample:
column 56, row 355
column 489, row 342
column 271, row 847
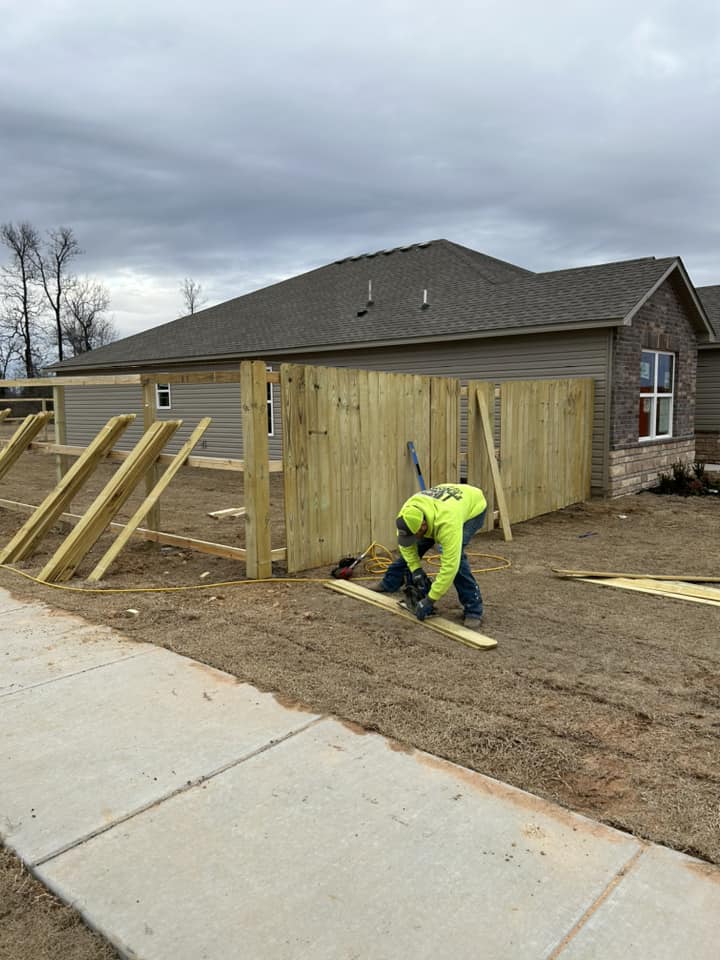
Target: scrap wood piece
column 669, row 590
column 228, row 512
column 150, row 500
column 45, row 515
column 676, row 577
column 5, row 413
column 449, row 629
column 21, row 439
column 108, row 502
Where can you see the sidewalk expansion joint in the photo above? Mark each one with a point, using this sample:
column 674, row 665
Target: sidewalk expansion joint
column 598, row 902
column 187, row 786
column 75, row 673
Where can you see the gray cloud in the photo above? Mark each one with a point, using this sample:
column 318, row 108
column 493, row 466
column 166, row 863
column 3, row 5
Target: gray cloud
column 239, row 145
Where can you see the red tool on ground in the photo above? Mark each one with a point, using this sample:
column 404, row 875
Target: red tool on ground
column 345, row 567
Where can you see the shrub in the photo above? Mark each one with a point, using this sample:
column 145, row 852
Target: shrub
column 685, row 480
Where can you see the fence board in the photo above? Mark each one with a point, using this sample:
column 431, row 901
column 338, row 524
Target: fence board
column 479, row 469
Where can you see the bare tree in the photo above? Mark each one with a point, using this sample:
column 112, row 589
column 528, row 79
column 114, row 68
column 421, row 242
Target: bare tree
column 192, row 294
column 85, row 325
column 10, row 340
column 17, row 279
column 51, row 268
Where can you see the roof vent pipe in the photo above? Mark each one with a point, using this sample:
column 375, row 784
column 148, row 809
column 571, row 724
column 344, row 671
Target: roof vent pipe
column 425, row 303
column 370, row 296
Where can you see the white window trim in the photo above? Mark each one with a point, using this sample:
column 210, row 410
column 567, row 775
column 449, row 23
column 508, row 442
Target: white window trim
column 270, row 406
column 165, row 387
column 654, row 395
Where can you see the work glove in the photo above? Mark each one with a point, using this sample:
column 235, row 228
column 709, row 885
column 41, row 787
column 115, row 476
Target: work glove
column 425, row 608
column 421, row 581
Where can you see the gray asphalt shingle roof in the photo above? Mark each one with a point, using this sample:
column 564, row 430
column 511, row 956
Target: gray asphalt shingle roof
column 710, row 299
column 468, row 294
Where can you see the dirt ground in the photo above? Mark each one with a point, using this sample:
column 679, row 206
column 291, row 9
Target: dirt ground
column 605, row 701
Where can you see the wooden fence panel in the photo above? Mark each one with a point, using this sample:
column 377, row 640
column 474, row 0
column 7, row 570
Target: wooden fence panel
column 345, row 459
column 444, row 463
column 545, row 444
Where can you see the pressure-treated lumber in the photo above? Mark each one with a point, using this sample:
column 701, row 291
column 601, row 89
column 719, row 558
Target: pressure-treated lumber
column 672, row 591
column 449, row 629
column 109, row 501
column 253, row 398
column 21, row 439
column 158, row 536
column 5, row 413
column 204, row 463
column 682, row 578
column 37, row 525
column 150, row 500
column 228, row 512
column 494, row 469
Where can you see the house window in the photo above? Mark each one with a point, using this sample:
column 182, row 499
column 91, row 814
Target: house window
column 657, row 383
column 270, row 414
column 163, row 400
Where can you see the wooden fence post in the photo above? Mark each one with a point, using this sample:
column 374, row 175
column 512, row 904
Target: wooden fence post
column 253, row 398
column 62, row 463
column 153, row 474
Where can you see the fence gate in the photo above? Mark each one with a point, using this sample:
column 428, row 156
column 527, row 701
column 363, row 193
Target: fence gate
column 545, row 444
column 346, row 466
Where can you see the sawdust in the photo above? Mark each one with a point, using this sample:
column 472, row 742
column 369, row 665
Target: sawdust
column 603, row 701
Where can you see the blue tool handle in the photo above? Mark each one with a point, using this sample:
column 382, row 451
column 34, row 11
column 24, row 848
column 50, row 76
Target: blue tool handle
column 413, row 454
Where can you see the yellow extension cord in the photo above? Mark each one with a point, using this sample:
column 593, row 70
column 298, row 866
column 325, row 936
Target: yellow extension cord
column 377, row 561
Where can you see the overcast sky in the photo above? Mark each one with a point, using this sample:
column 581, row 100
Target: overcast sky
column 239, row 143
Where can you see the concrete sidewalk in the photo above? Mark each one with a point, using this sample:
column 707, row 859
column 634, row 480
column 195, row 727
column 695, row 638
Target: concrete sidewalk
column 187, row 815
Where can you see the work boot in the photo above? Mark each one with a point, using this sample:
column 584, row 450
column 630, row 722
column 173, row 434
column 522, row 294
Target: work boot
column 380, row 588
column 472, row 622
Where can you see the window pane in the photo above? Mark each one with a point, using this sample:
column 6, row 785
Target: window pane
column 663, row 416
column 666, row 363
column 646, row 409
column 647, row 372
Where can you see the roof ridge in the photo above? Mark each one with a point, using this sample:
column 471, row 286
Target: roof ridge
column 608, row 263
column 466, row 255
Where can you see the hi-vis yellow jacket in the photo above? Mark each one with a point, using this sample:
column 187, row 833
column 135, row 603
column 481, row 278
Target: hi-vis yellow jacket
column 445, row 507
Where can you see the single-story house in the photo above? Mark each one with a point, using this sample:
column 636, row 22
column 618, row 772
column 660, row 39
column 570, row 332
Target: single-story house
column 440, row 308
column 707, row 413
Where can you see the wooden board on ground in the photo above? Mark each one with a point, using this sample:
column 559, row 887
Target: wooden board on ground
column 449, row 629
column 668, row 589
column 605, row 575
column 228, row 512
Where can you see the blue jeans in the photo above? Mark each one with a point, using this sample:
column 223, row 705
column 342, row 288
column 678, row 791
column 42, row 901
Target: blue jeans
column 465, row 583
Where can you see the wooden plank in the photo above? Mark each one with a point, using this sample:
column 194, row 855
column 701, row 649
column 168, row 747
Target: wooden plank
column 228, row 512
column 669, row 591
column 494, row 469
column 36, row 527
column 62, row 462
column 478, row 462
column 446, row 627
column 153, row 472
column 202, row 463
column 589, row 574
column 21, row 440
column 205, row 376
column 171, row 539
column 293, row 408
column 4, row 414
column 150, row 500
column 253, row 398
column 109, row 501
column 124, row 379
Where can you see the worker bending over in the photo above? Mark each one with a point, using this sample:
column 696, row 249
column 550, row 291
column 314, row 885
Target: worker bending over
column 449, row 514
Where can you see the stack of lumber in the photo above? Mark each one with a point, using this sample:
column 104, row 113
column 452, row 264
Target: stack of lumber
column 674, row 586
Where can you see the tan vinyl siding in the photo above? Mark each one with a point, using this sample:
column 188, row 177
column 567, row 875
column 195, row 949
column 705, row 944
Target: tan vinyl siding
column 707, row 397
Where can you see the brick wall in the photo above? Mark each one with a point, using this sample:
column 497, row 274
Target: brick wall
column 661, row 324
column 707, row 447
